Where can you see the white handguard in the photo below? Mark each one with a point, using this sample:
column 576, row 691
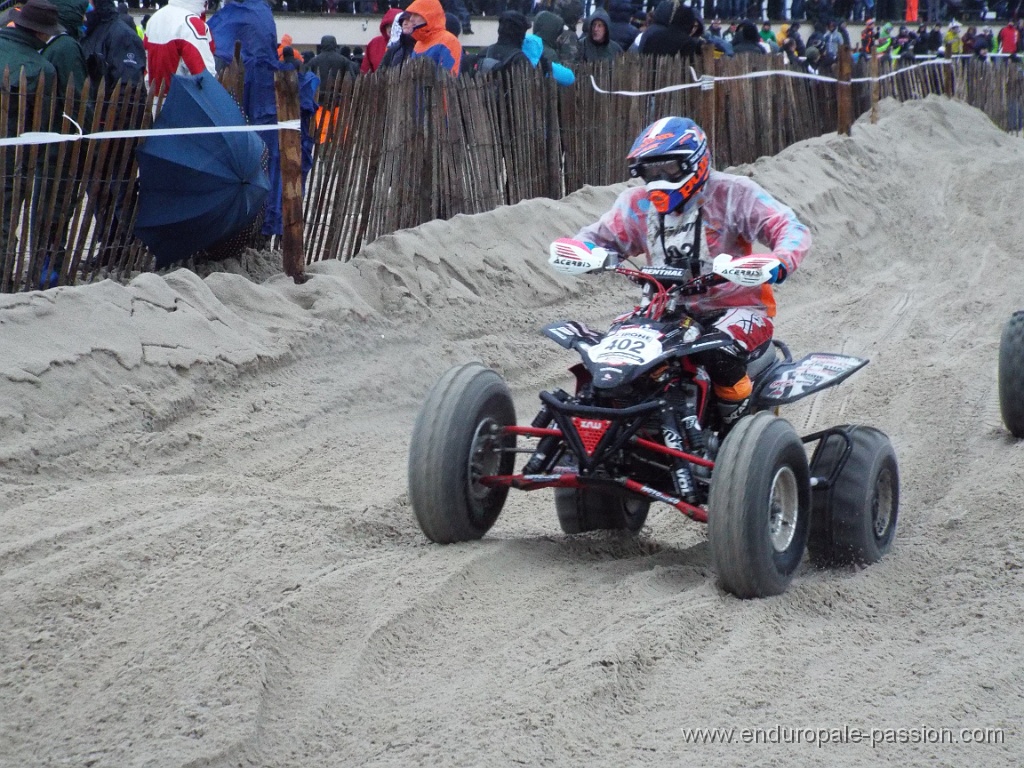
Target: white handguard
column 574, row 257
column 748, row 270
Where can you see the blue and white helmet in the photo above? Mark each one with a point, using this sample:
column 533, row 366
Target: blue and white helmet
column 671, row 155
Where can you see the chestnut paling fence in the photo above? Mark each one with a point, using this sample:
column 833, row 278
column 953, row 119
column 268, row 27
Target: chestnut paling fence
column 401, row 147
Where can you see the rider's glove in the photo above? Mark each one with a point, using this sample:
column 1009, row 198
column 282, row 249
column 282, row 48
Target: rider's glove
column 778, row 275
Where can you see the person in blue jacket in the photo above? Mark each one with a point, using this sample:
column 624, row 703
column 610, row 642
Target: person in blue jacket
column 533, row 47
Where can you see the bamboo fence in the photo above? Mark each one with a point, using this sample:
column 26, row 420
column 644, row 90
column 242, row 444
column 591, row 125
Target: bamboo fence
column 401, row 147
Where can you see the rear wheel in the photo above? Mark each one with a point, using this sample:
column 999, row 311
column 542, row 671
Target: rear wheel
column 455, row 442
column 759, row 507
column 1011, row 374
column 593, row 509
column 854, row 521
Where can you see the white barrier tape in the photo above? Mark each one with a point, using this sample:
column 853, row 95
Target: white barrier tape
column 707, row 82
column 27, row 139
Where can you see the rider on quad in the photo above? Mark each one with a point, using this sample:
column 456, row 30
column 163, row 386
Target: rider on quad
column 684, row 216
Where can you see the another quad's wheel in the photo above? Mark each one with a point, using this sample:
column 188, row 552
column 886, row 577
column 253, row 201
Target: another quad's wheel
column 454, row 443
column 593, row 509
column 854, row 521
column 1011, row 374
column 759, row 507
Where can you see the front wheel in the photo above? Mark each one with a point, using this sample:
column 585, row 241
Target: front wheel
column 1011, row 374
column 455, row 442
column 759, row 507
column 854, row 521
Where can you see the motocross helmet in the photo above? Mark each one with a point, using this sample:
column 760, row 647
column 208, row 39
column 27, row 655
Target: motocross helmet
column 671, row 155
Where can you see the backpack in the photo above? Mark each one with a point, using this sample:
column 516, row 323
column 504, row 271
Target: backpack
column 484, row 64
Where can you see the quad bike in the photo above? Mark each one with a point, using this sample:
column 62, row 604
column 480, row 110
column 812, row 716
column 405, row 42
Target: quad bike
column 1011, row 374
column 642, row 426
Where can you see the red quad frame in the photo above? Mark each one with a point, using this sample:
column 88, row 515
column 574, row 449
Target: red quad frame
column 532, row 482
column 575, row 480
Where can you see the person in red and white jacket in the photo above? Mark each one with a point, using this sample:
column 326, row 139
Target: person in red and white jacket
column 178, row 42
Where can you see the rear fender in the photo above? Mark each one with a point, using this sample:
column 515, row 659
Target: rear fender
column 793, row 380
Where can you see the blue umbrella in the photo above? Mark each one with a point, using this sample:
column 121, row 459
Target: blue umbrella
column 197, row 189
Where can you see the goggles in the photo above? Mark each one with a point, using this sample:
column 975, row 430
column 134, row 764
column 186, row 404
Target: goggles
column 672, row 170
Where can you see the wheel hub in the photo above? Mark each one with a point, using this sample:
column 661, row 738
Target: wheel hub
column 783, row 509
column 881, row 504
column 484, row 457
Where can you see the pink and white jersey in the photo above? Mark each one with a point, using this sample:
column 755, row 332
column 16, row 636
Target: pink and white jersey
column 737, row 212
column 178, row 42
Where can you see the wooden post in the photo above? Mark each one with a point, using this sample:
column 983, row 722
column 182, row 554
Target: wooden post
column 234, row 77
column 873, row 71
column 286, row 85
column 707, row 100
column 844, row 92
column 947, row 77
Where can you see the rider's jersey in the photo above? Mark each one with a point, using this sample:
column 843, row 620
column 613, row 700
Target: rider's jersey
column 737, row 212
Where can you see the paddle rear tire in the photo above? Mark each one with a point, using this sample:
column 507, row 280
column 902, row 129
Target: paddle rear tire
column 853, row 521
column 593, row 509
column 1011, row 374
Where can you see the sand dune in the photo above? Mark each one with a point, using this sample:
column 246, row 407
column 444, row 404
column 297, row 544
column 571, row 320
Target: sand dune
column 207, row 555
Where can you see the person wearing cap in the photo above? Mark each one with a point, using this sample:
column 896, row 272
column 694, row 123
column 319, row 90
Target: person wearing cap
column 951, row 40
column 30, row 28
column 64, row 51
column 178, row 42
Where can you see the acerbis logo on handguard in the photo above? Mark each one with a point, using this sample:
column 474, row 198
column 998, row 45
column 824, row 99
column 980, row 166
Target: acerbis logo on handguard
column 740, row 272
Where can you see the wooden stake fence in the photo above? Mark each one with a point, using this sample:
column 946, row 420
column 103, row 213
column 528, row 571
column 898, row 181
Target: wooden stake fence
column 400, row 147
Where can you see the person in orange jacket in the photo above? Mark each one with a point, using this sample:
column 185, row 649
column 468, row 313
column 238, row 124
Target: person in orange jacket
column 286, row 41
column 433, row 40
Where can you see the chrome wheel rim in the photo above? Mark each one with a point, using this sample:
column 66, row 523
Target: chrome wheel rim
column 783, row 509
column 484, row 457
column 881, row 504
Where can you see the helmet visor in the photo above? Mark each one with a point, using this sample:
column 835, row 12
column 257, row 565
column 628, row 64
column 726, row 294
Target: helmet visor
column 672, row 170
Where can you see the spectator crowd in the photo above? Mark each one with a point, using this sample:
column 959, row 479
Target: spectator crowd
column 55, row 43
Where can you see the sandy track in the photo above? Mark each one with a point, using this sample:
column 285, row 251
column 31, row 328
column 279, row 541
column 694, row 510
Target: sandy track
column 207, row 555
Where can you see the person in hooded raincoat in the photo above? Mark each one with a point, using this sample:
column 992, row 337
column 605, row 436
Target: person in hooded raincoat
column 674, row 29
column 114, row 53
column 596, row 44
column 330, row 62
column 178, row 42
column 533, row 48
column 401, row 43
column 376, row 48
column 251, row 22
column 53, row 178
column 548, row 27
column 20, row 40
column 433, row 40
